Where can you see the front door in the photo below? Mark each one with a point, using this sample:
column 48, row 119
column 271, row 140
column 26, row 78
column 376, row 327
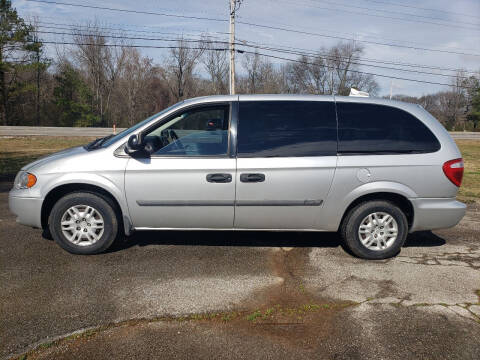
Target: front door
column 189, row 180
column 286, row 162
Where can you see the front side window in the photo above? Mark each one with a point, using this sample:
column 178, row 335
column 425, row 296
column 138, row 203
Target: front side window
column 124, row 134
column 194, row 132
column 371, row 128
column 287, row 129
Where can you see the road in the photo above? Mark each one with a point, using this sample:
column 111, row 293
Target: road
column 54, row 131
column 158, row 295
column 75, row 131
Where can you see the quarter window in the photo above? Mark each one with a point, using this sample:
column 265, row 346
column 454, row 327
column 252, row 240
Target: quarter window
column 195, row 132
column 286, row 129
column 370, row 128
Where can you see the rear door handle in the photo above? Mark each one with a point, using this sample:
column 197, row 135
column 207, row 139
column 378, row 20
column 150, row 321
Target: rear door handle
column 219, row 178
column 252, row 177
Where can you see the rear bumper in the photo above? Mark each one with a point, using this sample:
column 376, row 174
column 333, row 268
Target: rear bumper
column 28, row 210
column 430, row 214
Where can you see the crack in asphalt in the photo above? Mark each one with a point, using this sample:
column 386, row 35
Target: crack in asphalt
column 466, row 258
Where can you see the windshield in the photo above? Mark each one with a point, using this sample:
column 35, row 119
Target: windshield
column 130, row 130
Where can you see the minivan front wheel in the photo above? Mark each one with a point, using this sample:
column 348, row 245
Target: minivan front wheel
column 375, row 229
column 83, row 223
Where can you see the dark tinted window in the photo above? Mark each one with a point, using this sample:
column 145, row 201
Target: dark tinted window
column 365, row 128
column 286, row 128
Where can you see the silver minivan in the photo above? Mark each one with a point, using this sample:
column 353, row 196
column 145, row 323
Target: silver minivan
column 372, row 169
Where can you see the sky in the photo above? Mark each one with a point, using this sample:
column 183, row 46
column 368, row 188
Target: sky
column 428, row 33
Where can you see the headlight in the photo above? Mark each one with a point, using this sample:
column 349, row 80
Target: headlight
column 25, row 180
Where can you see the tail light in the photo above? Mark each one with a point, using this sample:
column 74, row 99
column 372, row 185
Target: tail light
column 453, row 169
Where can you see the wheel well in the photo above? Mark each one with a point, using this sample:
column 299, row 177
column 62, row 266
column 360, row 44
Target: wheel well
column 55, row 194
column 401, row 201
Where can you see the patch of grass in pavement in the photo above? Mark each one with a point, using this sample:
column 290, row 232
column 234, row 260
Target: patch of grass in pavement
column 253, row 316
column 17, row 151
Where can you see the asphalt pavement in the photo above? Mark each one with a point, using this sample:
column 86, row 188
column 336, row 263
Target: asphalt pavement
column 239, row 295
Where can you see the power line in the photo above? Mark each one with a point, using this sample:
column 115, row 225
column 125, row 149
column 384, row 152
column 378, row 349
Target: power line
column 301, row 51
column 357, row 71
column 356, row 61
column 226, row 33
column 393, row 12
column 249, row 52
column 405, row 64
column 129, row 10
column 419, row 8
column 133, row 38
column 257, row 25
column 349, row 39
column 207, row 33
column 384, row 16
column 133, row 46
column 122, row 30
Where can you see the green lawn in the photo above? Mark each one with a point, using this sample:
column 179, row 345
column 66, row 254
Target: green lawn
column 18, row 151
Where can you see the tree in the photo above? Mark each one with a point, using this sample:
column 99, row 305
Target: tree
column 474, row 114
column 135, row 79
column 179, row 69
column 262, row 77
column 16, row 44
column 216, row 65
column 333, row 70
column 101, row 63
column 40, row 64
column 308, row 75
column 73, row 97
column 342, row 60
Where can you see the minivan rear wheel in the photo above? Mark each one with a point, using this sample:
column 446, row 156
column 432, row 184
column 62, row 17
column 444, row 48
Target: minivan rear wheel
column 83, row 223
column 375, row 229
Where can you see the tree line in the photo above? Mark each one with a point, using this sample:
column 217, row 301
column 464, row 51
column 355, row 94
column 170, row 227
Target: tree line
column 101, row 79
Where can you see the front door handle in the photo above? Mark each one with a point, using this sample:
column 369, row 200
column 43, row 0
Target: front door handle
column 252, row 177
column 219, row 178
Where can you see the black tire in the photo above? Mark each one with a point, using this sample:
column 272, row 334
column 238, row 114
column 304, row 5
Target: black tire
column 101, row 205
column 351, row 224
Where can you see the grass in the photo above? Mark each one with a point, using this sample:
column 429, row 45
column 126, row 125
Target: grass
column 20, row 150
column 470, row 189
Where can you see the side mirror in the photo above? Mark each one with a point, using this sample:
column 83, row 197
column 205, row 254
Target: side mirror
column 133, row 144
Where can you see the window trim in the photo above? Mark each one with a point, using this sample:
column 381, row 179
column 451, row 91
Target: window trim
column 159, row 123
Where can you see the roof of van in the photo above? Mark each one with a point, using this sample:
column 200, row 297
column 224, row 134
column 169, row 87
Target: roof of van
column 304, row 97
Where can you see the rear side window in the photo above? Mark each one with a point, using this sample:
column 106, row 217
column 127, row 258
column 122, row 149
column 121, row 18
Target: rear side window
column 287, row 128
column 370, row 128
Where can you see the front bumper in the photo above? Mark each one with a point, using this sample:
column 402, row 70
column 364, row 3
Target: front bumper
column 430, row 214
column 28, row 210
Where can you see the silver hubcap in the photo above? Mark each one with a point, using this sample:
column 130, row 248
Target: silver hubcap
column 82, row 225
column 378, row 231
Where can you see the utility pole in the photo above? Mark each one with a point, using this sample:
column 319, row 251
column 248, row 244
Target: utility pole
column 391, row 88
column 234, row 6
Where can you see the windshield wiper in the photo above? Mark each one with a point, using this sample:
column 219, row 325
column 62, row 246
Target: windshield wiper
column 98, row 142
